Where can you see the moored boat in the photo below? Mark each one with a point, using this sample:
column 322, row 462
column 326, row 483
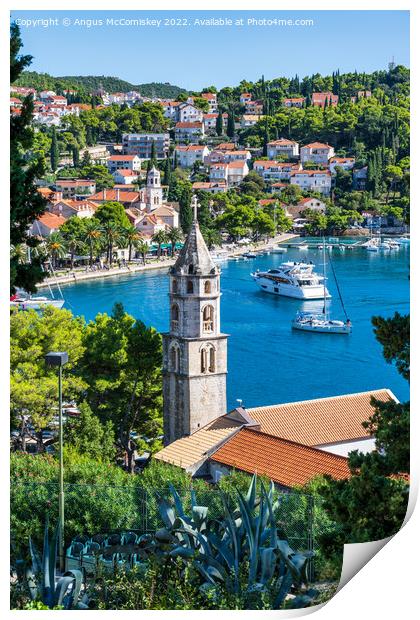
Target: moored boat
column 26, row 302
column 292, row 279
column 307, row 321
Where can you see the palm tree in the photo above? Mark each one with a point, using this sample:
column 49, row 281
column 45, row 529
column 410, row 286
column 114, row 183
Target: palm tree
column 93, row 234
column 212, row 237
column 113, row 236
column 56, row 247
column 143, row 248
column 74, row 245
column 174, row 236
column 160, row 237
column 131, row 236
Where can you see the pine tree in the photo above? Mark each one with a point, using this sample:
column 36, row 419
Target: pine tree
column 219, row 124
column 54, row 152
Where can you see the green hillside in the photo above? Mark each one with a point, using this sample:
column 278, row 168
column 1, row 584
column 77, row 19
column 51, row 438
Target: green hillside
column 90, row 83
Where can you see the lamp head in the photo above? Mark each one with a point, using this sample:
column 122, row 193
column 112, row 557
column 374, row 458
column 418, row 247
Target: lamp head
column 56, row 358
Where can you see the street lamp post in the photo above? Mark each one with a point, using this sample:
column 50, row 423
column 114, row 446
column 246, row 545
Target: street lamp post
column 58, row 359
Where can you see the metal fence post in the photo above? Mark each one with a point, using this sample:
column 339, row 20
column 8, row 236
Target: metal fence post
column 310, row 536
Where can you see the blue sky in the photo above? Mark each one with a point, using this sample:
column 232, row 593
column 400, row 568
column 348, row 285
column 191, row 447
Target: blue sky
column 197, row 56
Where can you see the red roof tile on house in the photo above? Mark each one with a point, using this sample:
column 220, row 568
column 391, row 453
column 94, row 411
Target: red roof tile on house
column 122, row 157
column 317, row 145
column 51, row 221
column 189, row 125
column 285, row 462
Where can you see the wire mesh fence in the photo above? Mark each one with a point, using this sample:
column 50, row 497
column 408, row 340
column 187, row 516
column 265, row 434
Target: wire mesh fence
column 94, row 509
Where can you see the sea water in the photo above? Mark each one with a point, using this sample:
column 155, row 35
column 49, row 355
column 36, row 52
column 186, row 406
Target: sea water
column 268, row 362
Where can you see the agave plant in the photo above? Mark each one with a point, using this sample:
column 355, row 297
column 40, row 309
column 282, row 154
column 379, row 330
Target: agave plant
column 42, row 582
column 245, row 537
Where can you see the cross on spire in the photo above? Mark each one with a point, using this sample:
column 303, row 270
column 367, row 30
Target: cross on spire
column 194, row 205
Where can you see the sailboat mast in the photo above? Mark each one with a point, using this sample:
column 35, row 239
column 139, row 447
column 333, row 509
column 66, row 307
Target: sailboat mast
column 324, row 311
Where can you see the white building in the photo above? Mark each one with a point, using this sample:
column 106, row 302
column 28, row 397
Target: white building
column 282, row 148
column 125, row 177
column 212, row 187
column 346, row 163
column 211, row 99
column 189, row 132
column 316, row 152
column 140, row 144
column 249, row 120
column 276, row 171
column 312, row 181
column 124, row 162
column 187, row 156
column 210, row 120
column 236, row 172
column 188, row 113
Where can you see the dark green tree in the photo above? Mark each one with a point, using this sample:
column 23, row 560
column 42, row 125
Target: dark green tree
column 54, row 151
column 26, row 203
column 219, row 124
column 231, row 125
column 75, row 155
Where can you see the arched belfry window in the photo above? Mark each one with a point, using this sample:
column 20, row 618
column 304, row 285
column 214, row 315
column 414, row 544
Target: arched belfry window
column 174, row 358
column 190, row 286
column 174, row 285
column 190, row 269
column 207, row 286
column 208, row 318
column 174, row 316
column 208, row 359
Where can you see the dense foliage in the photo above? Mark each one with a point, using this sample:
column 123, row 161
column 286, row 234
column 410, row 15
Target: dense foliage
column 372, row 503
column 25, row 167
column 90, row 83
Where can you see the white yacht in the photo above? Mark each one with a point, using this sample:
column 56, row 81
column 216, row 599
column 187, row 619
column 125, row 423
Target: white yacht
column 27, row 302
column 292, row 279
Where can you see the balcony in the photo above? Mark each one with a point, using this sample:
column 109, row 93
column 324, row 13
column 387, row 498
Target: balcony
column 208, row 327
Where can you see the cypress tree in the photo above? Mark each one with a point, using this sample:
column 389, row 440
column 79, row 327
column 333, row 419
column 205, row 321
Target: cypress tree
column 185, row 211
column 54, row 152
column 219, row 124
column 153, row 154
column 175, row 165
column 168, row 172
column 231, row 125
column 89, row 137
column 76, row 156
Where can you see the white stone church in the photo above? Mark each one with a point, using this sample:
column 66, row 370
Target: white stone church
column 152, row 213
column 290, row 442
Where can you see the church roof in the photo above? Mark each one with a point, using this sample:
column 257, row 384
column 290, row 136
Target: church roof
column 320, row 421
column 286, row 462
column 192, row 449
column 195, row 257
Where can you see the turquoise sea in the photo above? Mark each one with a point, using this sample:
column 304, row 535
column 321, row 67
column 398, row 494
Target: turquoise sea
column 268, row 361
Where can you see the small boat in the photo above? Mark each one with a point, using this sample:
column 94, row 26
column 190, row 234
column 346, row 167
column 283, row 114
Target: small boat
column 404, row 240
column 250, row 255
column 321, row 323
column 27, row 302
column 306, row 321
column 220, row 256
column 303, row 246
column 384, row 246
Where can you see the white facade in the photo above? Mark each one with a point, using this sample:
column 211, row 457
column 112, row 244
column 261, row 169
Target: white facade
column 346, row 163
column 282, row 148
column 275, row 171
column 187, row 156
column 188, row 113
column 317, row 153
column 124, row 162
column 189, row 132
column 313, row 181
column 343, row 448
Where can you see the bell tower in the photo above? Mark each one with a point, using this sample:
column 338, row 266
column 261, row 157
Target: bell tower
column 154, row 190
column 194, row 349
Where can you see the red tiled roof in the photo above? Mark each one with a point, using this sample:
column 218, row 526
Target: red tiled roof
column 285, row 462
column 111, row 195
column 317, row 145
column 311, row 173
column 282, row 141
column 322, row 420
column 122, row 157
column 126, row 173
column 51, row 221
column 187, row 125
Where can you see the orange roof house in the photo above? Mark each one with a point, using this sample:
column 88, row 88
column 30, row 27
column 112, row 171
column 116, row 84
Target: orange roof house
column 285, row 462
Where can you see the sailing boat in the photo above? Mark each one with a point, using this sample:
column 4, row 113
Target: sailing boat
column 321, row 323
column 24, row 301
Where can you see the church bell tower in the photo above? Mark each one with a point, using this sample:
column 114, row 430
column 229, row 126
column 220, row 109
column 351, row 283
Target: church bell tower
column 194, row 349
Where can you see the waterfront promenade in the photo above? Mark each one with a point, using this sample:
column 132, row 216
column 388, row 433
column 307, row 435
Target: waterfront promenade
column 80, row 274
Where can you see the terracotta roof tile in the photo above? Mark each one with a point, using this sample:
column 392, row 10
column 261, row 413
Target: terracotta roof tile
column 320, row 421
column 285, row 462
column 52, row 221
column 187, row 451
